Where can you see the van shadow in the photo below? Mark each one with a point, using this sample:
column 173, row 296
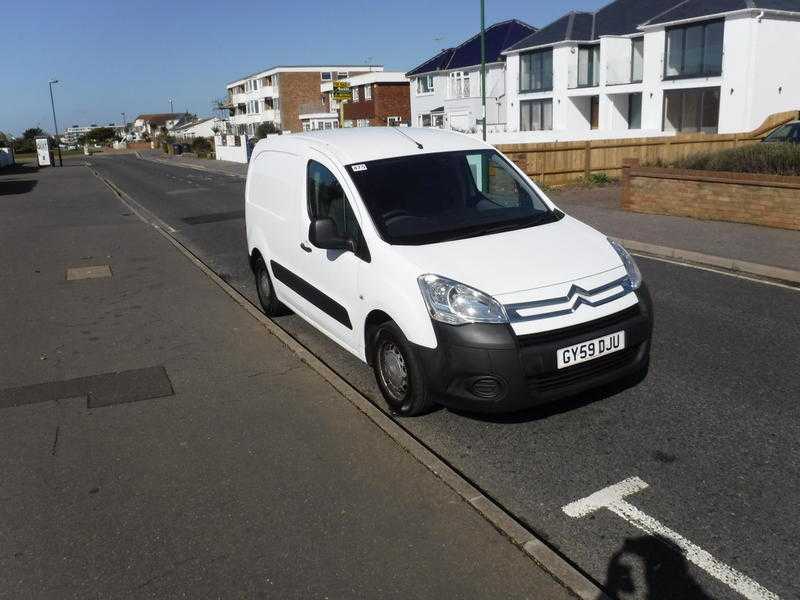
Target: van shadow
column 659, row 569
column 558, row 406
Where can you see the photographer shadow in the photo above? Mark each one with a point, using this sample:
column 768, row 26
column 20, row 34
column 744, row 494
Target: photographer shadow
column 663, row 568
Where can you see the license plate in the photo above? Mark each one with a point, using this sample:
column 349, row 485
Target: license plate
column 591, row 349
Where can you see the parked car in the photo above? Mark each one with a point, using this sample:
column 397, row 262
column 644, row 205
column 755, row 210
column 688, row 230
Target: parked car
column 788, row 133
column 177, row 149
column 436, row 260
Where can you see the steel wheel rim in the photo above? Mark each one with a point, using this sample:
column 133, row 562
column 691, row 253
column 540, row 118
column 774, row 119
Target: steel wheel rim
column 264, row 288
column 393, row 370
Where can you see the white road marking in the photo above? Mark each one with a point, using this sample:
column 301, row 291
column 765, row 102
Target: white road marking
column 613, row 498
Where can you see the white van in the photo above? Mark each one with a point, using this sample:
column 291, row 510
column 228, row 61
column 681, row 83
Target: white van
column 434, row 259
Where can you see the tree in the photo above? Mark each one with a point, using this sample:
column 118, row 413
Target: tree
column 5, row 140
column 102, row 135
column 265, row 129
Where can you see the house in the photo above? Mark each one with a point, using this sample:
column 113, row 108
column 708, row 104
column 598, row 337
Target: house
column 206, row 128
column 279, row 95
column 155, row 124
column 646, row 67
column 446, row 88
column 379, row 98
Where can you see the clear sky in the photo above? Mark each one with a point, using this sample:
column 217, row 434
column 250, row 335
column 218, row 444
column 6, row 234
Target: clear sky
column 133, row 56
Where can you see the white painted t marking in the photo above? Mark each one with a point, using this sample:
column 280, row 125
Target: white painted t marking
column 613, row 498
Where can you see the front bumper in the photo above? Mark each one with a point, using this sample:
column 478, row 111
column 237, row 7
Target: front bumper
column 488, row 368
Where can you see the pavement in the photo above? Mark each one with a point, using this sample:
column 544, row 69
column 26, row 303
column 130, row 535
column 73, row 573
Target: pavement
column 749, row 249
column 156, row 442
column 711, row 431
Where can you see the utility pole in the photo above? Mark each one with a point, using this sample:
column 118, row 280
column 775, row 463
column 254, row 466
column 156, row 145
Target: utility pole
column 55, row 123
column 483, row 66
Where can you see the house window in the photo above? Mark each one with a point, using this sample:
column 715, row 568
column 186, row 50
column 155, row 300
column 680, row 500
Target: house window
column 342, row 75
column 459, row 84
column 637, row 60
column 367, row 92
column 691, row 110
column 536, row 115
column 536, row 71
column 362, row 123
column 588, row 66
column 394, row 121
column 425, row 85
column 355, row 94
column 594, row 112
column 694, row 50
column 437, row 121
column 635, row 111
column 424, row 120
column 326, row 75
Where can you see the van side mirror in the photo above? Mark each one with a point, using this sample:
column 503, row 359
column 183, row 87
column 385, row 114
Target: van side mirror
column 323, row 234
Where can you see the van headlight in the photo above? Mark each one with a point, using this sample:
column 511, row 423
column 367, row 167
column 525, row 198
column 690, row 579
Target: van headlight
column 452, row 302
column 634, row 275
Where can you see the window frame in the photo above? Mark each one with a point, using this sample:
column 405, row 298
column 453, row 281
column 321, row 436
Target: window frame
column 368, row 92
column 700, row 108
column 541, row 102
column 593, row 68
column 542, row 52
column 633, row 55
column 428, row 79
column 702, row 50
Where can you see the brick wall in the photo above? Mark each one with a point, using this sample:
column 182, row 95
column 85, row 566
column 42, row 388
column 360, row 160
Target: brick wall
column 388, row 100
column 298, row 90
column 768, row 200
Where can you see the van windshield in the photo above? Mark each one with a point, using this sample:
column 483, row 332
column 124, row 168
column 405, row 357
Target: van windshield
column 439, row 197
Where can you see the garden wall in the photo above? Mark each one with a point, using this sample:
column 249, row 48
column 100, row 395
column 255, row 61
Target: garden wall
column 561, row 162
column 768, row 200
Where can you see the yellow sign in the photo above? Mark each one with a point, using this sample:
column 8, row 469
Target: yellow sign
column 341, row 90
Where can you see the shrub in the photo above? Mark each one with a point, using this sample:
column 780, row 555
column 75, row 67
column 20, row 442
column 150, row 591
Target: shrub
column 771, row 159
column 265, row 129
column 201, row 145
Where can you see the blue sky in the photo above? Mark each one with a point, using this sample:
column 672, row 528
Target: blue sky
column 133, row 56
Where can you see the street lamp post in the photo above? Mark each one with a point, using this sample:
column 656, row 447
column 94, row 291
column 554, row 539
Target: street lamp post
column 170, row 105
column 55, row 123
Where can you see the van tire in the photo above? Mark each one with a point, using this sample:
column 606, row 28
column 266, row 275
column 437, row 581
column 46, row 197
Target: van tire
column 399, row 373
column 270, row 304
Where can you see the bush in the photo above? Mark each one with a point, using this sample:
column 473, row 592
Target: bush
column 202, row 145
column 265, row 129
column 770, row 159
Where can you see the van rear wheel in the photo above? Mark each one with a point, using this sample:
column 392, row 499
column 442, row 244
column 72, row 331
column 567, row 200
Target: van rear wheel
column 270, row 304
column 399, row 373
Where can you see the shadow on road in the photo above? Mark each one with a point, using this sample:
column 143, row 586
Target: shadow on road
column 657, row 566
column 16, row 186
column 20, row 169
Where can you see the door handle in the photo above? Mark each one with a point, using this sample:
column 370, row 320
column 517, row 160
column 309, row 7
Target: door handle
column 305, row 246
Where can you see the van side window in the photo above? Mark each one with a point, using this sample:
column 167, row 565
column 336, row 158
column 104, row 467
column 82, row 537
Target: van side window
column 326, row 199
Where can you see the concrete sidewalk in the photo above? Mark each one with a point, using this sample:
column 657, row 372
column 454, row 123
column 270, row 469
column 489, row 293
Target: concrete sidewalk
column 753, row 250
column 156, row 442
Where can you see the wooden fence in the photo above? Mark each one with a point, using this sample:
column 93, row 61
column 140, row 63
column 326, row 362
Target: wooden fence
column 557, row 163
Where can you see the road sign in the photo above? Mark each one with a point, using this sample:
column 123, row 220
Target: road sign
column 341, row 91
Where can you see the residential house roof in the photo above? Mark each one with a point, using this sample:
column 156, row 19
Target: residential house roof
column 498, row 37
column 691, row 9
column 190, row 124
column 160, row 118
column 624, row 17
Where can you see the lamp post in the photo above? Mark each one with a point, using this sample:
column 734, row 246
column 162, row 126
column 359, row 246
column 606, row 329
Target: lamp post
column 55, row 123
column 171, row 100
column 483, row 67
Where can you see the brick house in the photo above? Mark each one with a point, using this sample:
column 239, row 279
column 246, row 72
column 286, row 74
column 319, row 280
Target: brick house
column 279, row 95
column 379, row 99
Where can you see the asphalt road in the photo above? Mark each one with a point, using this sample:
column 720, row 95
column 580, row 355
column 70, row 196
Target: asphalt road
column 713, row 430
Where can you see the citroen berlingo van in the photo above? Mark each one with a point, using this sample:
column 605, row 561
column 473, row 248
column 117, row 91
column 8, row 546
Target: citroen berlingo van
column 437, row 261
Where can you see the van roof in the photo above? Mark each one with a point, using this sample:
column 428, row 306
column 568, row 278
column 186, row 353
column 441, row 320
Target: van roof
column 363, row 144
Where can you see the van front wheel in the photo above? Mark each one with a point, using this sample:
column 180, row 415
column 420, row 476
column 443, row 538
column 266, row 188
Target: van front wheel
column 398, row 372
column 270, row 304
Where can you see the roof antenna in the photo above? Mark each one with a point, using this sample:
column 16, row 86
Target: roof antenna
column 420, row 146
